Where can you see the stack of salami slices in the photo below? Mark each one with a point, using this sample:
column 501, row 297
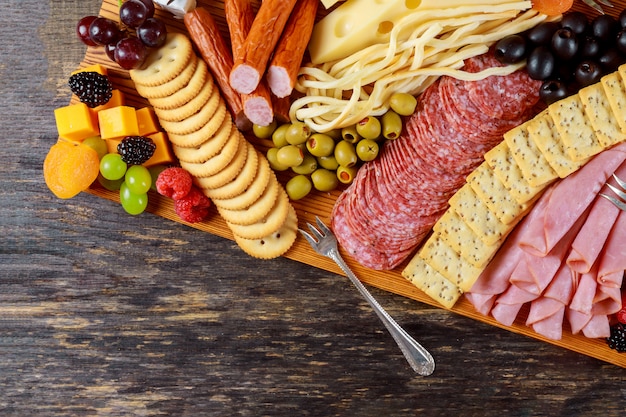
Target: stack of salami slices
column 395, row 200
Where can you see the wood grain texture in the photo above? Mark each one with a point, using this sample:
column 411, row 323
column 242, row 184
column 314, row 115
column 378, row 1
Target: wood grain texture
column 105, row 314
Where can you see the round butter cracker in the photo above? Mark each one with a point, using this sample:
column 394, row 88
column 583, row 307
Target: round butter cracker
column 229, row 195
column 256, row 211
column 170, row 87
column 268, row 224
column 186, row 93
column 275, row 243
column 218, row 162
column 165, row 63
column 190, row 140
column 227, row 174
column 209, row 148
column 197, row 120
column 187, row 109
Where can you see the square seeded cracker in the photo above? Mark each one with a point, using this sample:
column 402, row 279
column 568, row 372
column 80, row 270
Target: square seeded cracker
column 534, row 166
column 579, row 138
column 614, row 86
column 445, row 260
column 543, row 132
column 501, row 161
column 435, row 285
column 598, row 109
column 494, row 194
column 460, row 237
column 477, row 215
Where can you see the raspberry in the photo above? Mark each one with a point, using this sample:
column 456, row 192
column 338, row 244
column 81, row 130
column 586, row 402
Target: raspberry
column 194, row 207
column 136, row 150
column 92, row 88
column 174, row 183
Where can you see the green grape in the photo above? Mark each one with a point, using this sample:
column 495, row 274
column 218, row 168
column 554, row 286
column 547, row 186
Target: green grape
column 133, row 203
column 155, row 170
column 97, row 144
column 111, row 185
column 138, row 179
column 112, row 167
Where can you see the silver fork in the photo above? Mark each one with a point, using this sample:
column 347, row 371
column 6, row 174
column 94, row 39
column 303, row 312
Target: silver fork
column 597, row 6
column 621, row 193
column 324, row 242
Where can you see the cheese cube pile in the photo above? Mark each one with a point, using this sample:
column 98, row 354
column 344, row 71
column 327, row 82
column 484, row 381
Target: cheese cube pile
column 499, row 193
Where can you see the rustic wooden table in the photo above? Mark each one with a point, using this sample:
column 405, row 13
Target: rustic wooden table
column 106, row 314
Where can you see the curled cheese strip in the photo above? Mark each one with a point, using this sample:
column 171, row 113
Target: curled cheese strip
column 340, row 93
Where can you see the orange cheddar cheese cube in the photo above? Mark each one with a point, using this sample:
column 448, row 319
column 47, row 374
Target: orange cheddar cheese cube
column 100, row 69
column 163, row 153
column 112, row 144
column 118, row 122
column 116, row 100
column 147, row 121
column 76, row 122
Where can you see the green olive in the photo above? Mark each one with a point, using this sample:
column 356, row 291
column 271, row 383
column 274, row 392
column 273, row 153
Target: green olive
column 264, row 132
column 298, row 187
column 367, row 149
column 345, row 153
column 345, row 175
column 278, row 137
column 403, row 103
column 328, row 162
column 349, row 134
column 320, row 144
column 290, row 155
column 308, row 165
column 324, row 180
column 272, row 158
column 392, row 125
column 334, row 133
column 369, row 127
column 297, row 133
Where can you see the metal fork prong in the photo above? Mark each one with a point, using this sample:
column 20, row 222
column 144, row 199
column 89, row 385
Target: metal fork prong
column 619, row 182
column 620, row 192
column 318, row 235
column 308, row 237
column 618, row 203
column 322, row 226
column 606, row 3
column 595, row 5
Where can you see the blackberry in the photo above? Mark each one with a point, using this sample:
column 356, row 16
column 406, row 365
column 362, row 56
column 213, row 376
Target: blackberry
column 135, row 150
column 617, row 340
column 92, row 88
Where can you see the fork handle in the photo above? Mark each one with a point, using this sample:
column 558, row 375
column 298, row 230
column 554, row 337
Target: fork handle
column 417, row 356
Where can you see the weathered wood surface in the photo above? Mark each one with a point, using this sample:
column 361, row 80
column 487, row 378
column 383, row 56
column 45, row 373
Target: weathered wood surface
column 106, row 314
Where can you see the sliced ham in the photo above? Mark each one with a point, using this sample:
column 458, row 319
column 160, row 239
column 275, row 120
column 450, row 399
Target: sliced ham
column 613, row 259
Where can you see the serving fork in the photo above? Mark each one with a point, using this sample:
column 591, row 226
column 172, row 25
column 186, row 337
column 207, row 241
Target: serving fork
column 324, row 242
column 619, row 191
column 596, row 6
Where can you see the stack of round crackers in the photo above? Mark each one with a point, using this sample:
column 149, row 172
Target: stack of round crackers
column 228, row 169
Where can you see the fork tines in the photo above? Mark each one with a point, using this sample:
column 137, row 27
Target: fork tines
column 620, row 192
column 596, row 6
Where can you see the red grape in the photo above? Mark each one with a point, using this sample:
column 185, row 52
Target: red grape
column 152, row 32
column 130, row 53
column 133, row 13
column 104, row 31
column 149, row 6
column 82, row 30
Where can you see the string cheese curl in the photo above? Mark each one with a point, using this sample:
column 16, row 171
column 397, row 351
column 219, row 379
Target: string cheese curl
column 422, row 47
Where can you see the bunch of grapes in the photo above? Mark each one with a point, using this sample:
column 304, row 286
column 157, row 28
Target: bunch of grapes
column 126, row 42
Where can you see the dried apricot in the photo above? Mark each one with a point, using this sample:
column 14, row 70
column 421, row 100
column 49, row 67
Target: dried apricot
column 552, row 7
column 70, row 168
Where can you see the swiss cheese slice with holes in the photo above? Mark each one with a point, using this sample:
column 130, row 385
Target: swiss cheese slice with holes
column 534, row 166
column 598, row 109
column 501, row 161
column 543, row 132
column 460, row 237
column 614, row 85
column 579, row 138
column 494, row 194
column 477, row 215
column 449, row 263
column 435, row 285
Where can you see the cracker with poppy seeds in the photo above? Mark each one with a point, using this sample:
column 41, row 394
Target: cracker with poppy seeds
column 598, row 110
column 534, row 166
column 543, row 133
column 429, row 280
column 579, row 138
column 614, row 86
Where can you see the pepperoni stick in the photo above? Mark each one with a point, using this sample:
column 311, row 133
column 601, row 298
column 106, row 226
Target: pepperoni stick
column 259, row 44
column 257, row 105
column 207, row 37
column 283, row 69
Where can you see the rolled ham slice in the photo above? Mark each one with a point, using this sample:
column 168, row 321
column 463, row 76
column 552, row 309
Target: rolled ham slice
column 613, row 259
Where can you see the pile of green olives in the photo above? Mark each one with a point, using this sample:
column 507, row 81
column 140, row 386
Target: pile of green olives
column 568, row 55
column 324, row 161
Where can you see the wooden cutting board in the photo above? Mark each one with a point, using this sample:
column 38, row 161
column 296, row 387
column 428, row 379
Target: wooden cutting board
column 320, row 204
